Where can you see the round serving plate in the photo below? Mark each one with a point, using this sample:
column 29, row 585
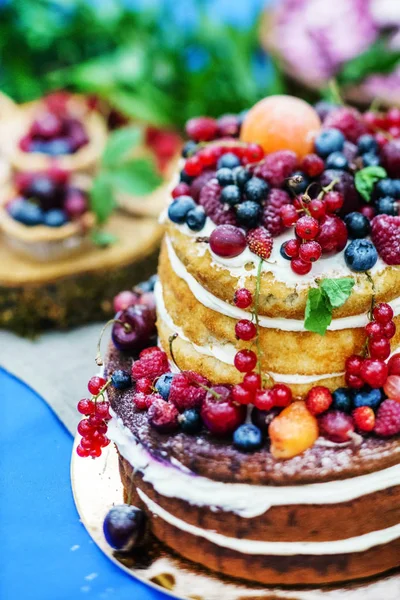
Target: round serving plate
column 97, row 487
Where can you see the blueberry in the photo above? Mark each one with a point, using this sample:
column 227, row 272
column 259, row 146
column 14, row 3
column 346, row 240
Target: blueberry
column 58, row 146
column 385, row 187
column 121, row 380
column 371, row 160
column 231, row 195
column 247, row 438
column 396, row 188
column 360, row 255
column 225, row 176
column 124, row 527
column 342, row 399
column 256, row 189
column 358, row 226
column 248, row 213
column 190, row 421
column 163, row 385
column 38, row 146
column 328, row 141
column 26, row 212
column 188, row 148
column 298, row 182
column 367, row 143
column 242, row 176
column 371, row 398
column 196, row 218
column 337, row 160
column 183, row 176
column 283, row 252
column 178, row 210
column 148, row 286
column 42, row 188
column 228, row 160
column 386, row 206
column 55, row 218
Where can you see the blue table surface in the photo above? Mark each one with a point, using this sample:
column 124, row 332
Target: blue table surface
column 46, row 552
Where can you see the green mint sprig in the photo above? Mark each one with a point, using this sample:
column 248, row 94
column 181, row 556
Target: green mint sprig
column 366, row 178
column 330, row 294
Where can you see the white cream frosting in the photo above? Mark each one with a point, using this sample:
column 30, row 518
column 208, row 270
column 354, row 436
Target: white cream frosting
column 248, row 501
column 345, row 546
column 216, row 304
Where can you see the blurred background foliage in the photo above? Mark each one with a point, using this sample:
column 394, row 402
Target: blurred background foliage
column 159, row 61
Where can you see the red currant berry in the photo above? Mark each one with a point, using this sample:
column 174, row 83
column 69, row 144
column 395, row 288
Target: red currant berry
column 227, row 241
column 202, row 129
column 364, row 418
column 95, row 452
column 102, row 427
column 95, row 421
column 292, row 248
column 254, row 152
column 208, row 157
column 312, row 165
column 282, row 395
column 87, row 443
column 353, row 364
column 307, row 228
column 182, row 189
column 379, row 348
column 264, row 400
column 245, row 330
column 333, row 201
column 354, row 381
column 102, row 410
column 95, row 384
column 374, row 330
column 252, row 382
column 245, row 361
column 84, row 428
column 193, row 166
column 317, row 209
column 310, row 251
column 300, row 267
column 374, row 372
column 86, row 407
column 241, row 395
column 243, row 298
column 81, row 451
column 289, row 215
column 394, row 365
column 383, row 313
column 389, row 330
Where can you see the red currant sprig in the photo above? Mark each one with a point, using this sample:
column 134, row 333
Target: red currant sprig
column 93, row 429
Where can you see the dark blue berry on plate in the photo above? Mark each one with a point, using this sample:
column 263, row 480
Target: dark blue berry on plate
column 366, row 397
column 360, row 255
column 298, row 182
column 385, row 187
column 42, row 188
column 337, row 160
column 358, row 226
column 148, row 286
column 228, row 160
column 183, row 176
column 283, row 252
column 225, row 176
column 179, row 208
column 55, row 218
column 386, row 206
column 247, row 438
column 248, row 213
column 196, row 218
column 163, row 385
column 231, row 195
column 370, row 159
column 26, row 212
column 367, row 143
column 190, row 421
column 328, row 141
column 396, row 188
column 242, row 176
column 256, row 189
column 58, row 146
column 263, row 418
column 121, row 380
column 342, row 399
column 124, row 527
column 188, row 148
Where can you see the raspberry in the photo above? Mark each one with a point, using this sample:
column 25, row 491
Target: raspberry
column 144, row 385
column 364, row 418
column 271, row 218
column 386, row 237
column 198, row 184
column 318, row 400
column 277, row 167
column 163, row 416
column 150, row 365
column 209, row 200
column 260, row 242
column 140, row 400
column 348, row 120
column 388, row 418
column 185, row 392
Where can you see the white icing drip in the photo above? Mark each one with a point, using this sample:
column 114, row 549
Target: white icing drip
column 356, row 544
column 216, row 304
column 246, row 500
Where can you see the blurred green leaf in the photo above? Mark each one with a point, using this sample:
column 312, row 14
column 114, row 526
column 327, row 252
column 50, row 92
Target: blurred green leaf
column 378, row 58
column 103, row 238
column 120, row 143
column 101, row 197
column 137, row 177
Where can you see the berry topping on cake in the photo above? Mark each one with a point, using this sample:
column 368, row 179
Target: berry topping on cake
column 188, row 390
column 124, row 527
column 247, row 438
column 388, row 419
column 277, row 167
column 271, row 217
column 210, row 200
column 386, row 237
column 336, row 426
column 220, row 414
column 151, row 364
column 260, row 242
column 293, row 431
column 163, row 416
column 347, row 120
column 243, row 298
column 227, row 241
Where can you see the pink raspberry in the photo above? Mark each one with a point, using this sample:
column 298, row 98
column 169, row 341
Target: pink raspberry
column 388, row 418
column 210, row 200
column 276, row 167
column 198, row 184
column 140, row 400
column 163, row 416
column 185, row 391
column 386, row 237
column 348, row 120
column 271, row 218
column 260, row 242
column 150, row 365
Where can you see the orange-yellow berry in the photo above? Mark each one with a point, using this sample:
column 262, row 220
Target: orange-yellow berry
column 293, row 431
column 364, row 418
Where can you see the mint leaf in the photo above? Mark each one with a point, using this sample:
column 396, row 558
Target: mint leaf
column 101, row 198
column 318, row 315
column 103, row 238
column 378, row 58
column 120, row 144
column 337, row 290
column 366, row 178
column 137, row 177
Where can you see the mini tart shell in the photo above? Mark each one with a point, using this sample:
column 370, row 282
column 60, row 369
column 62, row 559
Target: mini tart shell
column 83, row 160
column 41, row 242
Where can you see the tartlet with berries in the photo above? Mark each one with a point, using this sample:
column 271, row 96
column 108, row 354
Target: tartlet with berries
column 261, row 436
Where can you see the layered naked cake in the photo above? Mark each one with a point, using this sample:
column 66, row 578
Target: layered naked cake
column 261, row 435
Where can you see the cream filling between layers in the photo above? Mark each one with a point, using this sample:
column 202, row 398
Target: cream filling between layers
column 216, row 304
column 346, row 546
column 248, row 501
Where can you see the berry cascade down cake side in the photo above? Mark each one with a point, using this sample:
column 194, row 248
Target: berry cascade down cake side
column 253, row 387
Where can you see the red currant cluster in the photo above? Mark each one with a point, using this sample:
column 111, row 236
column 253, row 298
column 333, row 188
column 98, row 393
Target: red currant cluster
column 372, row 369
column 93, row 429
column 385, row 125
column 208, row 156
